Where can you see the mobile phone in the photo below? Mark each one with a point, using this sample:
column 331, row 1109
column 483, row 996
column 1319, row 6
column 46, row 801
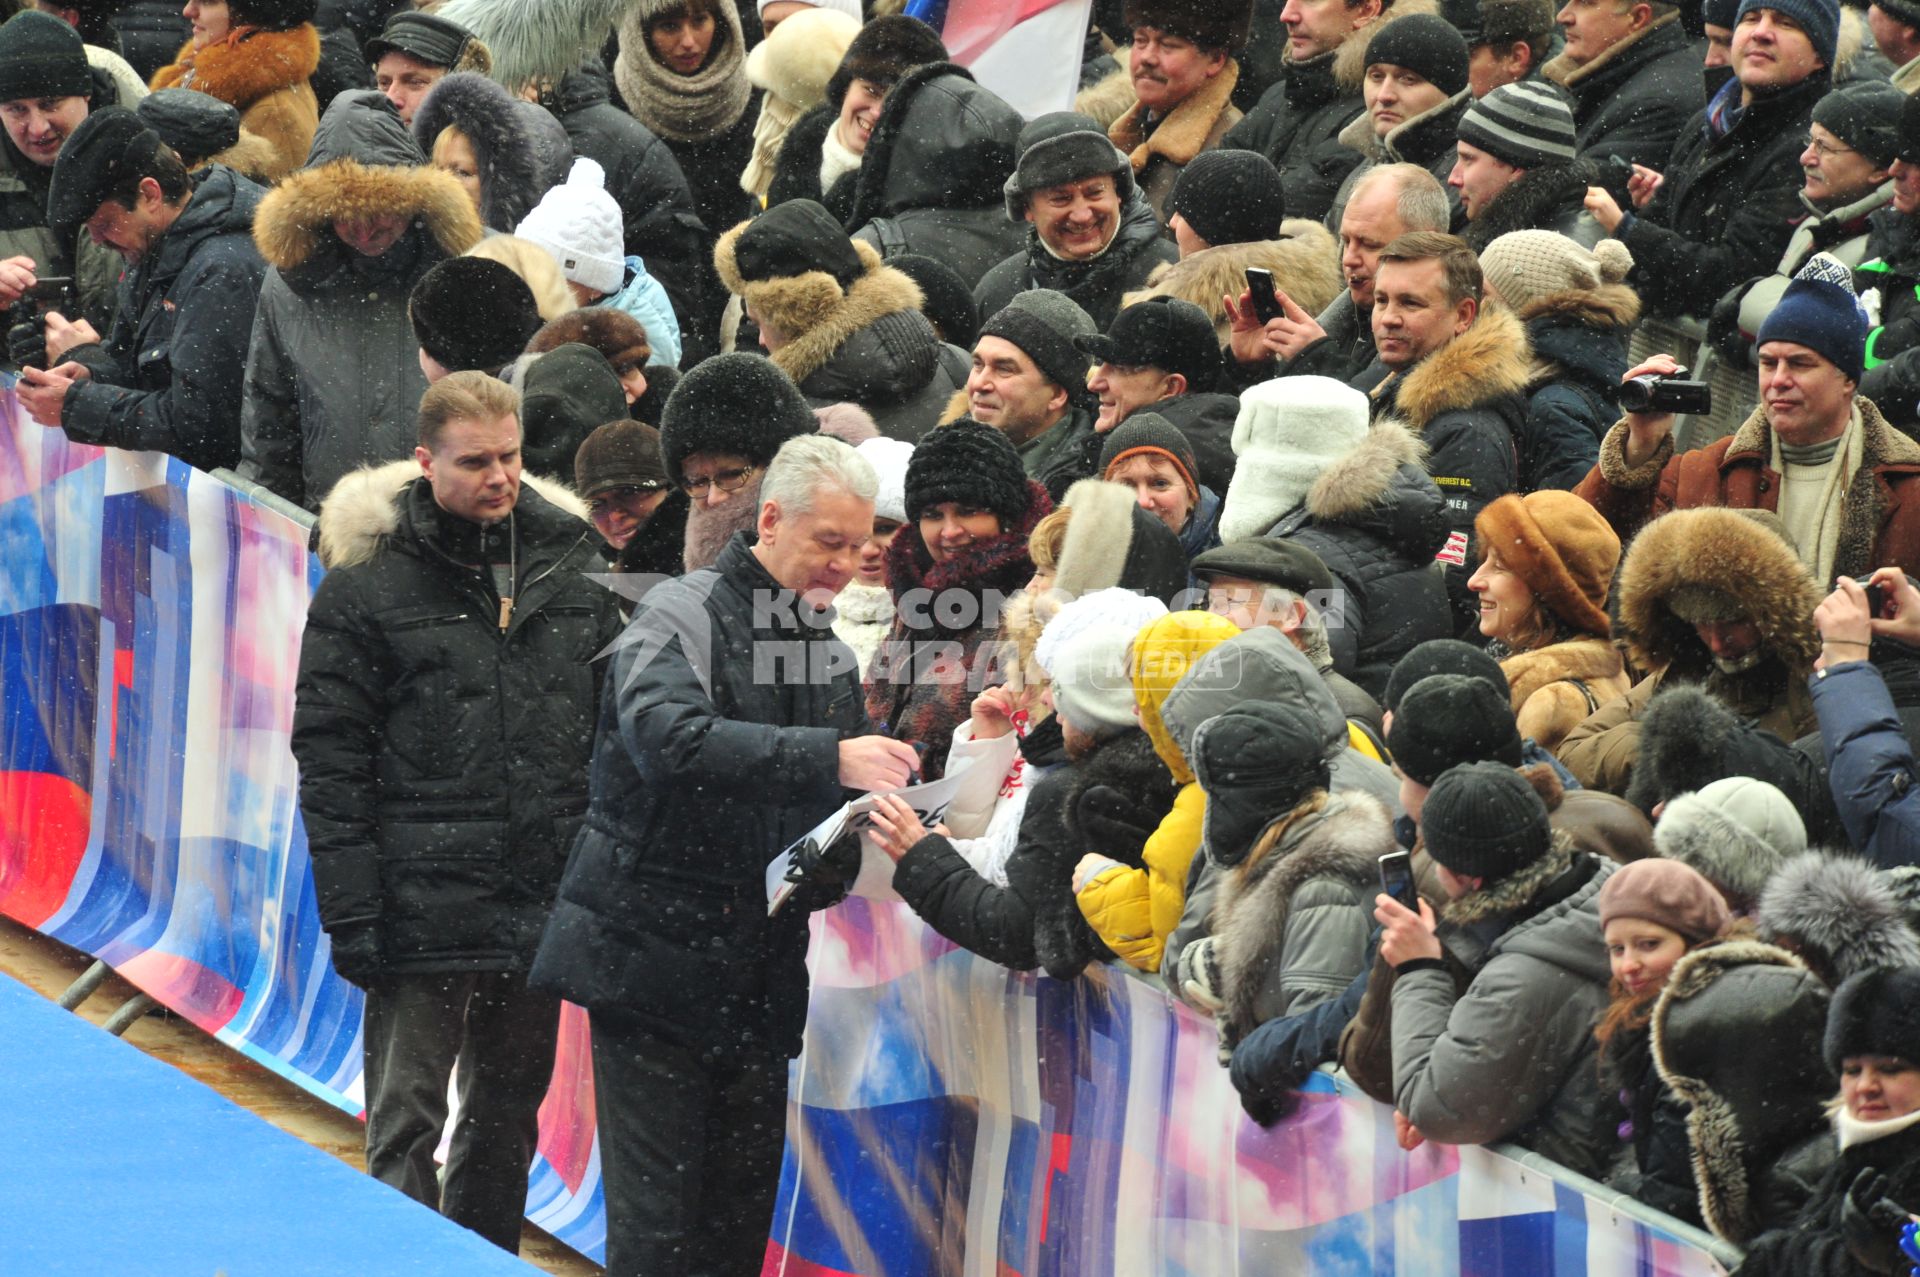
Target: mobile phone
column 1396, row 879
column 51, row 292
column 1266, row 301
column 1876, row 597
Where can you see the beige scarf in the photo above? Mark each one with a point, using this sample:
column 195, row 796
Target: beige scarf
column 683, row 108
column 777, row 115
column 1815, row 525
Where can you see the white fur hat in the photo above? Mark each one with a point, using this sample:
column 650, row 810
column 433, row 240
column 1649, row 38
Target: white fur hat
column 1113, row 606
column 581, row 225
column 889, row 459
column 1288, row 431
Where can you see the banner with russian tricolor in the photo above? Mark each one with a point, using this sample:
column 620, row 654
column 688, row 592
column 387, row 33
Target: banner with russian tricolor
column 948, row 1116
column 1027, row 51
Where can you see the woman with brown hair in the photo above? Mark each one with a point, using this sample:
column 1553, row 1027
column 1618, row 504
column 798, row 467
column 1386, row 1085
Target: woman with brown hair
column 1547, row 561
column 255, row 55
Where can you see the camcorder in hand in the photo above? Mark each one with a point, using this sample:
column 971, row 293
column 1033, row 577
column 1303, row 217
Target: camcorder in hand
column 1651, row 392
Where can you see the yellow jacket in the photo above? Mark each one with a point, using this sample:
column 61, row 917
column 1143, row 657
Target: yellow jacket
column 1134, row 910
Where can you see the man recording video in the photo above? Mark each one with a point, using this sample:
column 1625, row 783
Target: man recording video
column 1814, row 452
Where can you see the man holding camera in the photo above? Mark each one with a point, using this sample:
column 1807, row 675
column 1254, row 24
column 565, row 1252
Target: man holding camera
column 1844, row 482
column 167, row 377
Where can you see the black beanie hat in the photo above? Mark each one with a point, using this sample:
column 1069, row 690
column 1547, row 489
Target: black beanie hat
column 1425, row 44
column 565, row 396
column 110, row 145
column 195, row 125
column 42, row 57
column 792, row 239
column 1443, row 656
column 1230, row 197
column 1864, row 115
column 882, row 53
column 1484, row 820
column 971, row 463
column 1161, row 332
column 947, row 302
column 1449, row 719
column 1876, row 1012
column 1046, row 325
column 1256, row 763
column 737, row 405
column 1150, row 432
column 471, row 313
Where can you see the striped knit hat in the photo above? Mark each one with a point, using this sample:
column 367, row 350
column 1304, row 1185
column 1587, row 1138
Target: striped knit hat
column 1527, row 124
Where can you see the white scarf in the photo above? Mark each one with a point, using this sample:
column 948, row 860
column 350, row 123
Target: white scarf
column 1850, row 1130
column 836, row 159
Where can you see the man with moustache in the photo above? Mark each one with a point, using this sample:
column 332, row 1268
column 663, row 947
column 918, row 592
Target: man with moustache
column 1092, row 234
column 1183, row 70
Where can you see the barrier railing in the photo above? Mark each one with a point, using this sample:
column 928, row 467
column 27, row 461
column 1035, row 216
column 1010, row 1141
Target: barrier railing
column 948, row 1116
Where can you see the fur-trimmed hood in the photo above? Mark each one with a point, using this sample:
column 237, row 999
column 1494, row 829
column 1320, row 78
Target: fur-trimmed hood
column 1380, row 486
column 363, row 164
column 1304, row 261
column 1184, row 132
column 816, row 313
column 1489, row 361
column 1748, row 1107
column 941, row 142
column 1582, row 332
column 511, row 182
column 1839, row 913
column 241, row 70
column 367, row 506
column 1342, row 843
column 1727, row 552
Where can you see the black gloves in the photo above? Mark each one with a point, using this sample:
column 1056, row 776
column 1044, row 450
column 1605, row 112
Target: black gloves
column 26, row 336
column 1115, row 824
column 1870, row 1222
column 356, row 953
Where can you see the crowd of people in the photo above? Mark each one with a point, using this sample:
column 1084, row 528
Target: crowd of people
column 1274, row 492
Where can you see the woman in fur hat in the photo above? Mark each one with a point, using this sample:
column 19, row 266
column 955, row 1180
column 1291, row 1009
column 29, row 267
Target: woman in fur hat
column 970, row 509
column 1548, row 561
column 682, row 72
column 1852, row 1224
column 793, row 65
column 255, row 55
column 470, row 127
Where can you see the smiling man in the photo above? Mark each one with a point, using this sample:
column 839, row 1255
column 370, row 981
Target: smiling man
column 1183, row 71
column 1091, row 235
column 167, row 378
column 1029, row 382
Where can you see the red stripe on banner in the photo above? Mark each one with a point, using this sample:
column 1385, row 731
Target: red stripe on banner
column 43, row 837
column 196, row 992
column 972, row 25
column 1056, row 1166
column 122, row 677
column 780, row 1263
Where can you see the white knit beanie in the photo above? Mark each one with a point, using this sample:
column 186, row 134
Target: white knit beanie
column 849, row 7
column 889, row 458
column 1289, row 430
column 1092, row 691
column 1524, row 266
column 1112, row 606
column 581, row 225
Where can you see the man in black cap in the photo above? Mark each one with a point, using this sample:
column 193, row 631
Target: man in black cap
column 1029, row 382
column 1162, row 351
column 1093, row 235
column 414, row 51
column 167, row 378
column 46, row 89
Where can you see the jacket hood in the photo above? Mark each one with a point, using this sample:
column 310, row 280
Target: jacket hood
column 1489, row 361
column 1747, row 1107
column 1839, row 913
column 243, row 71
column 820, row 316
column 511, row 180
column 942, row 142
column 1350, row 59
column 1304, row 261
column 223, row 203
column 1261, row 664
column 587, row 85
column 1583, row 333
column 362, row 164
column 1161, row 654
column 1565, row 934
column 367, row 505
column 1731, row 554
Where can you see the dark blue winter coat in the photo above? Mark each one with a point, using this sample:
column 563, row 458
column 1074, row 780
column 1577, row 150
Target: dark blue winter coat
column 1579, row 342
column 1870, row 765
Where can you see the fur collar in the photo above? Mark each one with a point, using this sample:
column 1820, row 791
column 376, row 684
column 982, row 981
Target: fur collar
column 1340, row 491
column 366, row 506
column 1563, row 72
column 1608, row 306
column 1355, row 482
column 813, row 308
column 1350, row 59
column 295, row 219
column 1184, row 133
column 1407, row 141
column 1536, row 201
column 1343, row 841
column 1489, row 361
column 244, row 69
column 1513, row 894
column 1720, row 550
column 1304, row 262
column 1582, row 658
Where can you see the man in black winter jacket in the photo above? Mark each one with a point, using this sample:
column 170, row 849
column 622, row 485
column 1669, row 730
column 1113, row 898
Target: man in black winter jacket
column 1634, row 77
column 167, row 377
column 732, row 725
column 443, row 723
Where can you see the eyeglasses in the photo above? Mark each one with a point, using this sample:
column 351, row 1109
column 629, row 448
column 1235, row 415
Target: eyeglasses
column 725, row 480
column 618, row 498
column 1826, row 150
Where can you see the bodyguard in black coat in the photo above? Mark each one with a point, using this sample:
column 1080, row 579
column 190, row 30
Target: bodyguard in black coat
column 443, row 726
column 167, row 376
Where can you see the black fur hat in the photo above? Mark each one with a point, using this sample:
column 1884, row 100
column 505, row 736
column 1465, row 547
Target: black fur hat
column 1876, row 1013
column 274, row 15
column 1688, row 740
column 1211, row 24
column 883, row 52
column 737, row 404
column 471, row 313
column 971, row 463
